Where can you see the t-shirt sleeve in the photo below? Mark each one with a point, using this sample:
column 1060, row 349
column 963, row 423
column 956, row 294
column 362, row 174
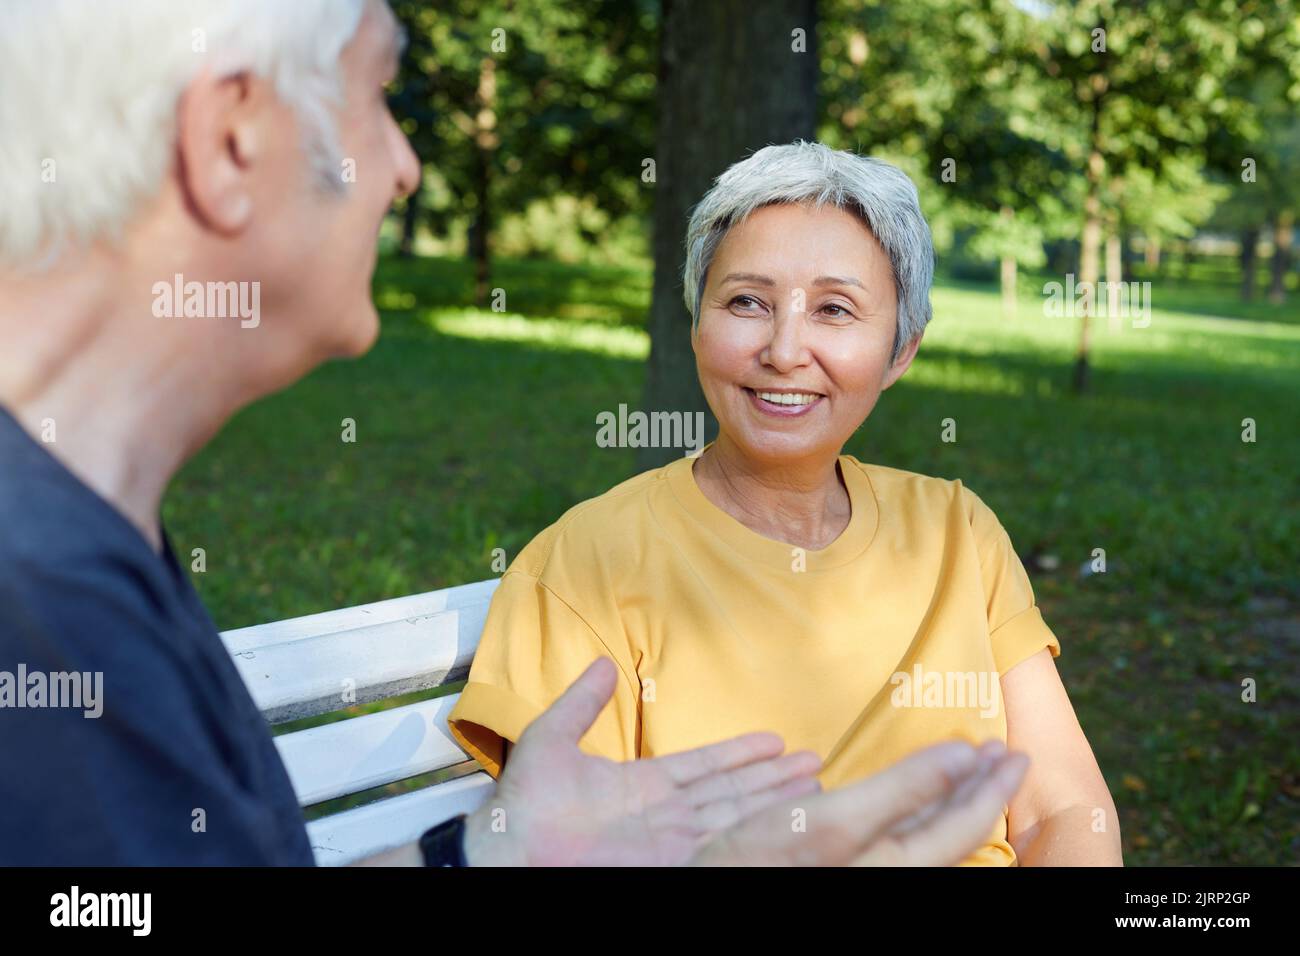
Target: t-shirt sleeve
column 534, row 645
column 1017, row 630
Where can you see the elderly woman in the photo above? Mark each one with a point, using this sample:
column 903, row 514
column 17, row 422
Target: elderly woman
column 774, row 583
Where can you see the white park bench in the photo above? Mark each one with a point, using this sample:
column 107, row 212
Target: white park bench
column 322, row 663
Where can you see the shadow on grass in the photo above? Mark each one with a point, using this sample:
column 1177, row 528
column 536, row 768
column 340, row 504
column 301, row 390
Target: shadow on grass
column 619, row 296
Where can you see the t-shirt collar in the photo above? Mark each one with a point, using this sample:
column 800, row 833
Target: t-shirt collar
column 852, row 542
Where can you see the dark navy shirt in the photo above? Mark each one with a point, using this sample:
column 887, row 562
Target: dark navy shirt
column 179, row 767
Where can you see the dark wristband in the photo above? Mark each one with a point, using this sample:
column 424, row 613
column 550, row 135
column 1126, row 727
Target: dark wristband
column 444, row 844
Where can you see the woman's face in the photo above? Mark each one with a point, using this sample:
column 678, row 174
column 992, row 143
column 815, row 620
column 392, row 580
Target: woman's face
column 795, row 331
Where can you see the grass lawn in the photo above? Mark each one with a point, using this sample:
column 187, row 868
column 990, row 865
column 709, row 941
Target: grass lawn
column 475, row 430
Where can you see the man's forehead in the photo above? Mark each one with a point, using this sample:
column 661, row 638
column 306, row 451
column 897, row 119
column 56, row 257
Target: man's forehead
column 394, row 34
column 380, row 36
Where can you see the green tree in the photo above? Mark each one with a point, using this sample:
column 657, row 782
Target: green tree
column 511, row 102
column 955, row 83
column 1145, row 84
column 1260, row 164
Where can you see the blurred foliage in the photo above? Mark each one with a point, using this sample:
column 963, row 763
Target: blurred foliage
column 537, row 98
column 1007, row 91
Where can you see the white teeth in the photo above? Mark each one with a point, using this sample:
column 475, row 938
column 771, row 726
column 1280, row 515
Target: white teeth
column 789, row 398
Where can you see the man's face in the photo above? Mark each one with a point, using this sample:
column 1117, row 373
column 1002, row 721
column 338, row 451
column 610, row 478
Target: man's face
column 324, row 293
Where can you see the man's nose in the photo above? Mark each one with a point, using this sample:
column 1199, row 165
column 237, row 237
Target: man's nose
column 408, row 167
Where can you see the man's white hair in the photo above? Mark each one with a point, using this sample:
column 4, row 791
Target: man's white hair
column 877, row 192
column 89, row 90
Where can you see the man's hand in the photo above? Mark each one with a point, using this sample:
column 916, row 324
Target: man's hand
column 557, row 806
column 933, row 808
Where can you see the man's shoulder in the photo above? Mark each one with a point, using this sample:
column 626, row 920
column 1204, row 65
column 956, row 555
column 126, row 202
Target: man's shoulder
column 91, row 593
column 54, row 526
column 123, row 713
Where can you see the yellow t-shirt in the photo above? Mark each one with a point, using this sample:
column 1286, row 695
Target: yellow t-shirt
column 890, row 639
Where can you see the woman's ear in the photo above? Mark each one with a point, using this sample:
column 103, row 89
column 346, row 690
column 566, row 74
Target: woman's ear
column 903, row 362
column 218, row 141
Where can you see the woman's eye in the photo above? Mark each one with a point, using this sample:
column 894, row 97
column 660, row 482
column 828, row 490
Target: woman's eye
column 745, row 302
column 840, row 311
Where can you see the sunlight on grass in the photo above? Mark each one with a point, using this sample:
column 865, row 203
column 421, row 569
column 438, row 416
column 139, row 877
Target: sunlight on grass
column 971, row 321
column 955, row 374
column 597, row 337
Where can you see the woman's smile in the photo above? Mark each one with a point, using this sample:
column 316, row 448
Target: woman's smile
column 783, row 402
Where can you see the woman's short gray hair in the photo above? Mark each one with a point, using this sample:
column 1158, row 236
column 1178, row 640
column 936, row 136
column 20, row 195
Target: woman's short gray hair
column 879, row 193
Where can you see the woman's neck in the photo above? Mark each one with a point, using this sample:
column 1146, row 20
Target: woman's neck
column 803, row 503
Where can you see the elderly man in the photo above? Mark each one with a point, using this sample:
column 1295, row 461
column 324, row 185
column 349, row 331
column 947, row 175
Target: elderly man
column 242, row 152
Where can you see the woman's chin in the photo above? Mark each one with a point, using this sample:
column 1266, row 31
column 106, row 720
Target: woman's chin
column 777, row 444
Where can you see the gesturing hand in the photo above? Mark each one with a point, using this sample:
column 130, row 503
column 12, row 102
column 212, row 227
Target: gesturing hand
column 557, row 806
column 933, row 808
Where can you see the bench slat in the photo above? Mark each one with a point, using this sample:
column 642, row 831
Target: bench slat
column 362, row 615
column 319, row 663
column 315, row 675
column 355, row 834
column 350, row 756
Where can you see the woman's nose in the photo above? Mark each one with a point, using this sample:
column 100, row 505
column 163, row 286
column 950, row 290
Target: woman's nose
column 787, row 349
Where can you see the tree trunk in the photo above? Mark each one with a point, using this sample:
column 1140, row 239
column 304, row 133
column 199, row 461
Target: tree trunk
column 1249, row 244
column 410, row 220
column 1008, row 277
column 1089, row 264
column 1114, row 277
column 1008, row 274
column 1152, row 254
column 740, row 58
column 479, row 251
column 485, row 144
column 1090, row 241
column 1283, row 226
column 1115, row 257
column 1064, row 255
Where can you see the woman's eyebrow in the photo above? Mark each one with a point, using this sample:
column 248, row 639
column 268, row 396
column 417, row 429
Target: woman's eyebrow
column 749, row 277
column 838, row 280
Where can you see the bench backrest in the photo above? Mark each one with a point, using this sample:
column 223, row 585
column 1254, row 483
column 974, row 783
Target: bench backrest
column 323, row 663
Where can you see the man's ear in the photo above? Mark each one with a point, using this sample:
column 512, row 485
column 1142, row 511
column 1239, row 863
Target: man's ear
column 903, row 362
column 218, row 141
